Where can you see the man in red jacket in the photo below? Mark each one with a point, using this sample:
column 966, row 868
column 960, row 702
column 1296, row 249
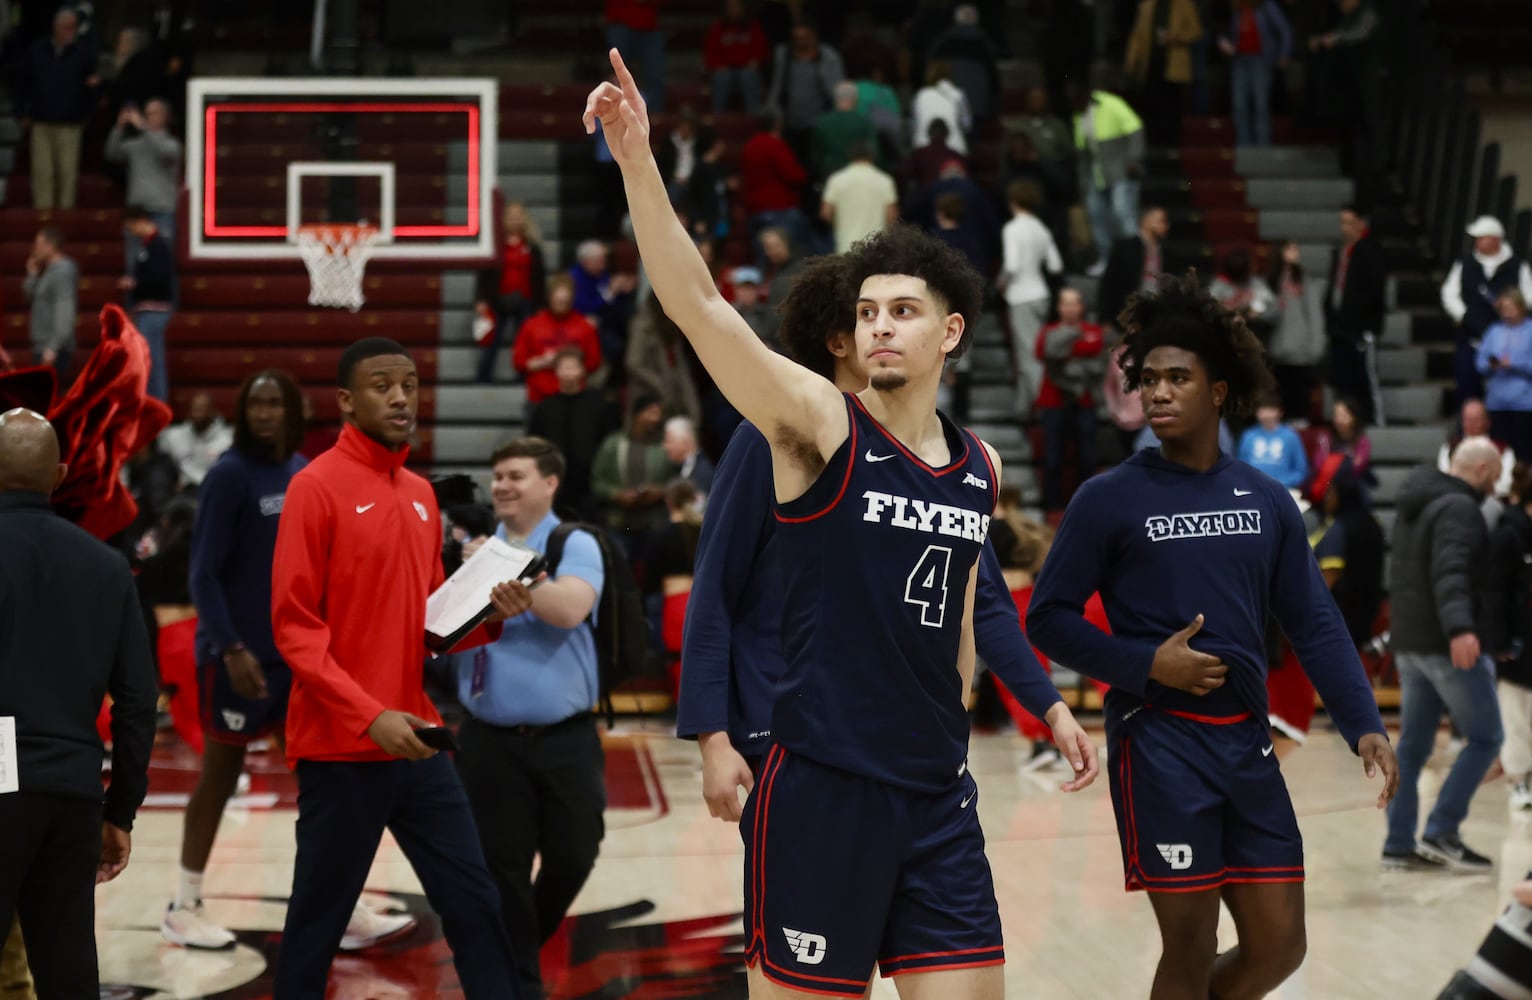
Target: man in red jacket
column 733, row 54
column 358, row 552
column 771, row 183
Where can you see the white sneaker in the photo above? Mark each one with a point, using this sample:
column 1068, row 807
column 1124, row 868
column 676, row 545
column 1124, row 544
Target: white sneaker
column 1521, row 795
column 369, row 927
column 1044, row 758
column 190, row 928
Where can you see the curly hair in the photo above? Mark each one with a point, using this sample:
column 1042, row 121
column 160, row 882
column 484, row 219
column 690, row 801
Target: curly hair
column 821, row 302
column 906, row 249
column 1182, row 314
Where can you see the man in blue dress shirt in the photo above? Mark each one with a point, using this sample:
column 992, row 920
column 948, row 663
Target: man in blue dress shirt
column 531, row 758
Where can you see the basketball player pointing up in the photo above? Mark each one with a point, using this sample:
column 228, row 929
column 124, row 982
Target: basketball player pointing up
column 861, row 839
column 1189, row 550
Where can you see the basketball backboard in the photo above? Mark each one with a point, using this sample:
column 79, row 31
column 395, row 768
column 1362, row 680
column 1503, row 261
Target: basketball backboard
column 413, row 158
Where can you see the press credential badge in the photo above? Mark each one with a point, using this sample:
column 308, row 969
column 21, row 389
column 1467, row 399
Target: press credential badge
column 8, row 777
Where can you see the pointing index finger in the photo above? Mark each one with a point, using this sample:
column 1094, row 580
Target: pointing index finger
column 625, row 79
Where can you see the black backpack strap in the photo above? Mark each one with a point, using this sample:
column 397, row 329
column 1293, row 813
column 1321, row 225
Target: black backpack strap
column 553, row 553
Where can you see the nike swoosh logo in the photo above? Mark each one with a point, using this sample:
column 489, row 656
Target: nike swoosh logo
column 876, row 458
column 1241, row 493
column 362, row 510
column 1266, row 752
column 964, row 803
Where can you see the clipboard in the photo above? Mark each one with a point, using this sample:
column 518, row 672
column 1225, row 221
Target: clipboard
column 462, row 603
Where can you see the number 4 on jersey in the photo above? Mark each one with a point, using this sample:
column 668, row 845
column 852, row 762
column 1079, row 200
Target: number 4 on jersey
column 927, row 586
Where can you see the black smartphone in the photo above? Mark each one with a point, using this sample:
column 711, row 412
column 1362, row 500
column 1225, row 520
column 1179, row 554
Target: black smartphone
column 437, row 738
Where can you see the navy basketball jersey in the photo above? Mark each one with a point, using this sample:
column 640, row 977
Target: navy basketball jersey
column 876, row 556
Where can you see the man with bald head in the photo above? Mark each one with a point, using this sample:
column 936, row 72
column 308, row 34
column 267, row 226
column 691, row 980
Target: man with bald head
column 1439, row 552
column 73, row 634
column 196, row 442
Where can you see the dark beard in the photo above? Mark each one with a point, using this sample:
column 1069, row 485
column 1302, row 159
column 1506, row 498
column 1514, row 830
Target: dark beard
column 889, row 381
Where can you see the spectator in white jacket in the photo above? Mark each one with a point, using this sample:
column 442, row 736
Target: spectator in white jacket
column 1028, row 255
column 941, row 98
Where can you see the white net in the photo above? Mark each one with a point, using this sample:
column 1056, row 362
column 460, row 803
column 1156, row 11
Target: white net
column 336, row 257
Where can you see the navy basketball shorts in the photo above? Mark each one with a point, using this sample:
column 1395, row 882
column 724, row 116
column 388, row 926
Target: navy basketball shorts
column 1201, row 803
column 230, row 717
column 843, row 872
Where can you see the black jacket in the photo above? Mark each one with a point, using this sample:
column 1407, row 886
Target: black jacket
column 72, row 634
column 1439, row 554
column 1124, row 275
column 1360, row 308
column 153, row 271
column 1505, row 620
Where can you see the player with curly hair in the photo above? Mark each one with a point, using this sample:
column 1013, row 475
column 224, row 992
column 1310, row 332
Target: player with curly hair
column 1189, row 548
column 862, row 842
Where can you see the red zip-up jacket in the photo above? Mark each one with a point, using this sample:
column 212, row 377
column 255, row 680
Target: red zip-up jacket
column 544, row 332
column 769, row 175
column 358, row 552
column 639, row 15
column 734, row 45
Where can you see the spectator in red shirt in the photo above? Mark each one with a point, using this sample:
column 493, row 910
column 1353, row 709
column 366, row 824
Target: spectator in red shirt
column 733, row 53
column 633, row 29
column 546, row 332
column 771, row 182
column 1074, row 363
column 514, row 288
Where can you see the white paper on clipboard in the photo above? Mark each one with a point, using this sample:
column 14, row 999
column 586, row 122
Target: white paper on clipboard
column 465, row 594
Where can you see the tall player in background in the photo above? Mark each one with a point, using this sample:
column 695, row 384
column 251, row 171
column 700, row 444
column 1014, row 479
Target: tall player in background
column 1186, row 544
column 862, row 841
column 732, row 650
column 242, row 679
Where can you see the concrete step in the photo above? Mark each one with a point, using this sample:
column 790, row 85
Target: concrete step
column 498, row 404
column 990, row 363
column 1405, row 444
column 536, row 190
column 1008, row 439
column 1416, row 404
column 1397, row 327
column 458, row 289
column 1402, row 365
column 1308, row 193
column 461, row 364
column 1304, row 225
column 995, row 403
column 1390, row 478
column 1287, row 162
column 470, row 444
column 516, row 156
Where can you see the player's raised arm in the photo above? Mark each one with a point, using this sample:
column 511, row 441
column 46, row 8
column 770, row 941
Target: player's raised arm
column 766, row 388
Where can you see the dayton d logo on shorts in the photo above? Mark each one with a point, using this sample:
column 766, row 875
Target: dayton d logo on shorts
column 1177, row 856
column 809, row 949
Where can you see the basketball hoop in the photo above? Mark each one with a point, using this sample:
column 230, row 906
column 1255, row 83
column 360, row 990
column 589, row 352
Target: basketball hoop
column 336, row 257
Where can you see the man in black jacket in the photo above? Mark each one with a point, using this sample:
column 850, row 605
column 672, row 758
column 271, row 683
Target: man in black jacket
column 1440, row 550
column 1354, row 314
column 55, row 88
column 577, row 419
column 1135, row 265
column 73, row 634
column 1505, row 630
column 151, row 291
